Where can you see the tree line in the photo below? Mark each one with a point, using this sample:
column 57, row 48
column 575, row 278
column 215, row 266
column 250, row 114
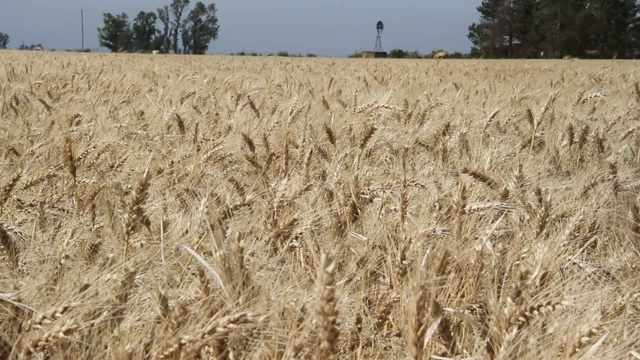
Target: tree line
column 4, row 40
column 172, row 28
column 557, row 28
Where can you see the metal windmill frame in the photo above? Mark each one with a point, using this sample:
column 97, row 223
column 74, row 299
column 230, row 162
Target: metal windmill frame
column 379, row 29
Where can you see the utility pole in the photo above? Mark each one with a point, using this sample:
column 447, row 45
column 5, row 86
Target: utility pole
column 82, row 25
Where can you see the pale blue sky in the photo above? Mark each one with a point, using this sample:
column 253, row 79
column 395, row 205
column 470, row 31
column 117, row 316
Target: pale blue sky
column 323, row 27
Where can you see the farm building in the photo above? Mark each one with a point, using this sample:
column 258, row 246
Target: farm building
column 374, row 54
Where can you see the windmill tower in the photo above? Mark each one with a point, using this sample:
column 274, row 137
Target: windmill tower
column 379, row 29
column 377, row 50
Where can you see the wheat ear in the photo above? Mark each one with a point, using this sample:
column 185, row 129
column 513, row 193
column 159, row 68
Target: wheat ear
column 327, row 314
column 417, row 325
column 5, row 192
column 134, row 213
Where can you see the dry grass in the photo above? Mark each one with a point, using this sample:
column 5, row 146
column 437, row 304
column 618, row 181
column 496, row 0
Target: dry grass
column 165, row 207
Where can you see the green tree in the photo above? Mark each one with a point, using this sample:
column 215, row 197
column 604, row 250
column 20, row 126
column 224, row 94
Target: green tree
column 31, row 47
column 479, row 37
column 178, row 7
column 557, row 27
column 115, row 35
column 165, row 39
column 621, row 23
column 497, row 31
column 579, row 35
column 601, row 28
column 634, row 35
column 4, row 40
column 507, row 27
column 397, row 54
column 200, row 28
column 185, row 36
column 145, row 31
column 492, row 24
column 527, row 26
column 505, row 24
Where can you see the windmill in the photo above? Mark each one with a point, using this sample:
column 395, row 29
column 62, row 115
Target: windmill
column 380, row 29
column 377, row 51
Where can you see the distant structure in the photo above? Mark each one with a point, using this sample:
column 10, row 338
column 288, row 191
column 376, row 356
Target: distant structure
column 82, row 29
column 377, row 50
column 379, row 29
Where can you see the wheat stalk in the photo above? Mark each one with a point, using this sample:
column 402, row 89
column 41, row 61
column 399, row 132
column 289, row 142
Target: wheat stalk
column 5, row 191
column 216, row 330
column 417, row 321
column 327, row 313
column 330, row 134
column 69, row 157
column 50, row 338
column 134, row 213
column 481, row 177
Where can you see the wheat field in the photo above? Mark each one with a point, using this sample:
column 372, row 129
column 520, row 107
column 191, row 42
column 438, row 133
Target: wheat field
column 169, row 207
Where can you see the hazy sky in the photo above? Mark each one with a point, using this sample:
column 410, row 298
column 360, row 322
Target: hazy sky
column 323, row 27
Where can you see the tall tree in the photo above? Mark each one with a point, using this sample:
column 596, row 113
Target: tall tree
column 558, row 27
column 622, row 19
column 144, row 31
column 185, row 35
column 115, row 35
column 634, row 35
column 201, row 27
column 178, row 8
column 479, row 36
column 491, row 26
column 508, row 25
column 164, row 17
column 577, row 32
column 528, row 23
column 4, row 40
